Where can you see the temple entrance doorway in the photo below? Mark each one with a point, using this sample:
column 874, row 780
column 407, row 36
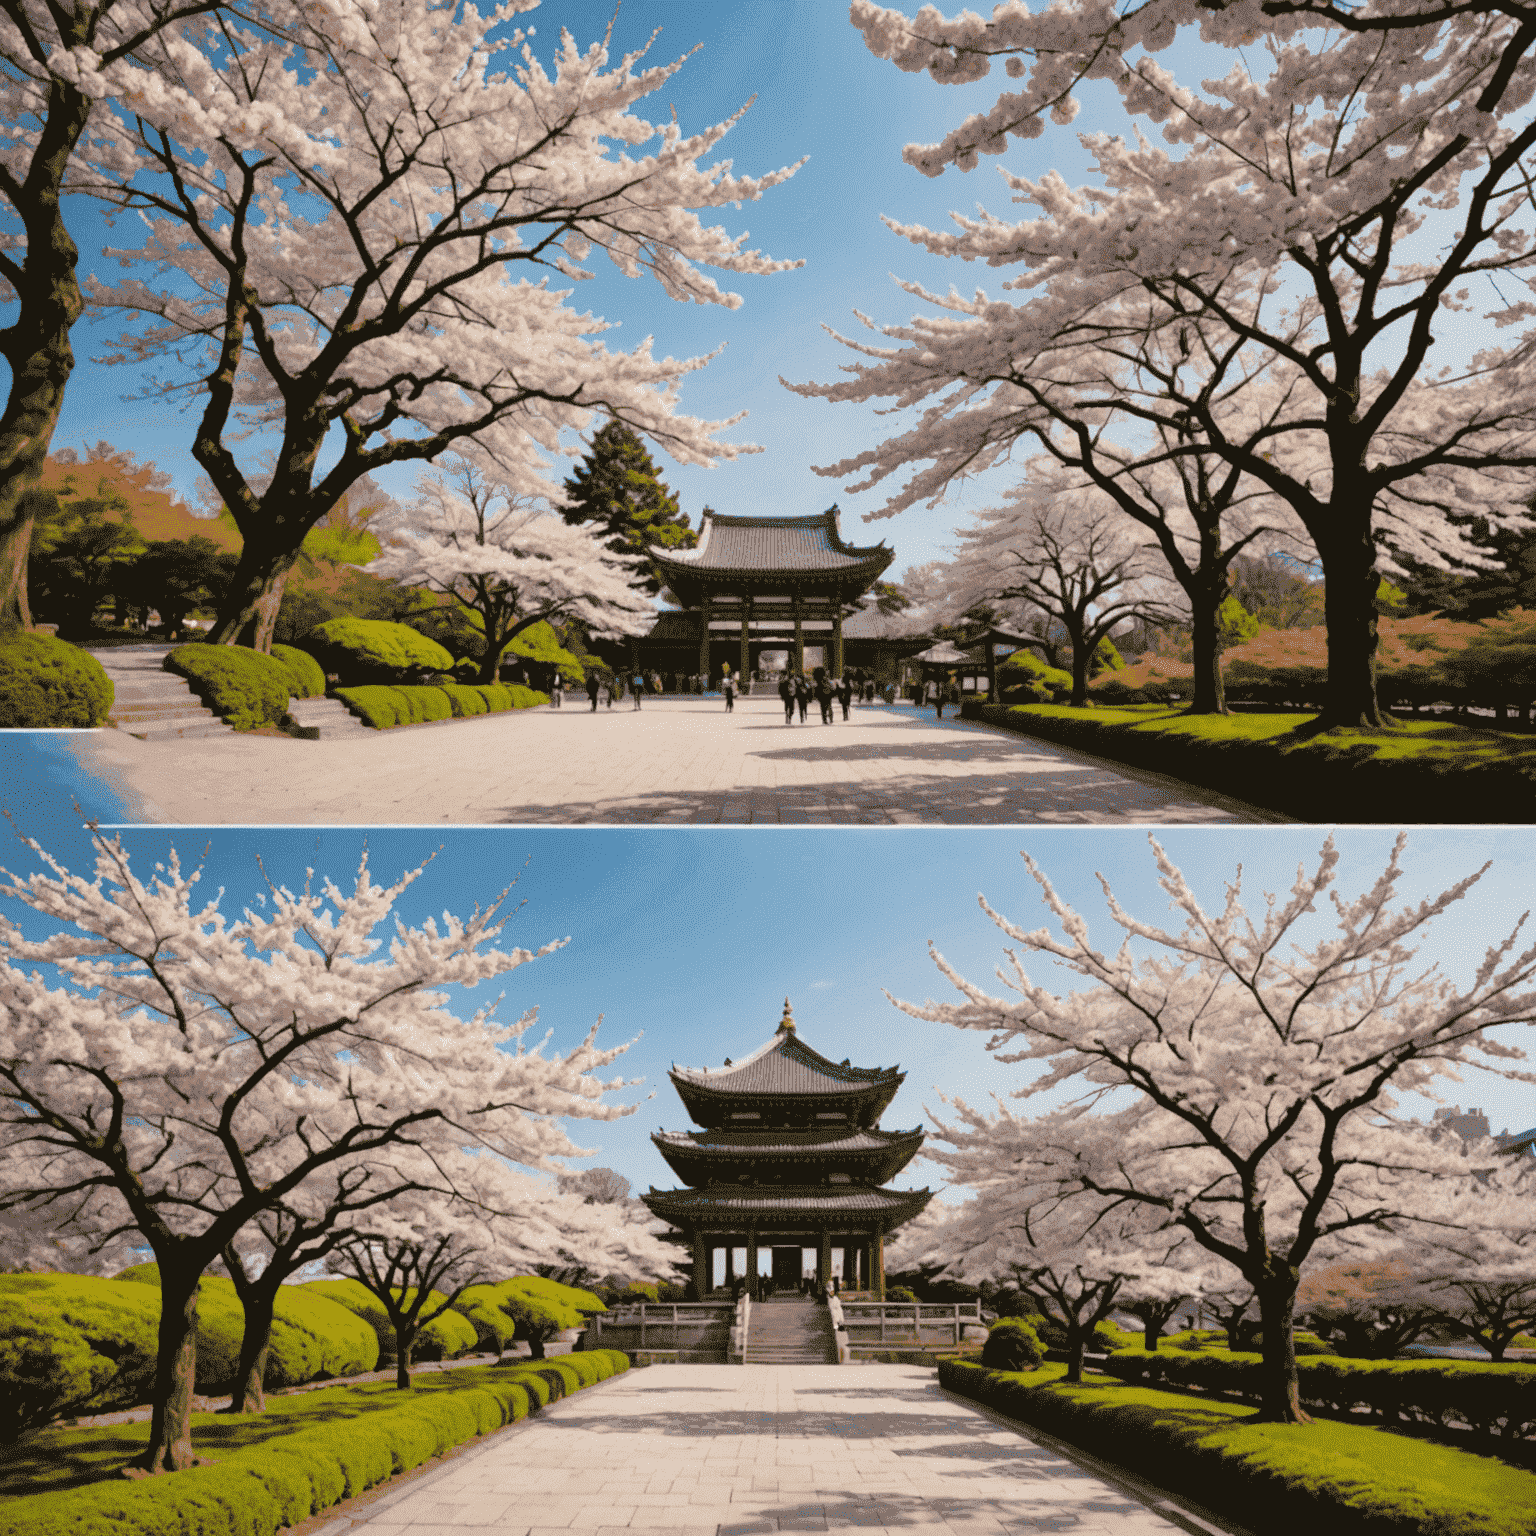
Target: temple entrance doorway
column 786, row 1268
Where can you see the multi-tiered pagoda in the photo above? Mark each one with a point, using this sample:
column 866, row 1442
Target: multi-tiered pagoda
column 792, row 1159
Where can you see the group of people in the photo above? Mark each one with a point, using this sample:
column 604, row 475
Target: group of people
column 797, row 690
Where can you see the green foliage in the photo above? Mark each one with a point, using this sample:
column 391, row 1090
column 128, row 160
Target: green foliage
column 383, row 706
column 299, row 1458
column 1012, row 1345
column 525, row 1307
column 445, row 1338
column 77, row 551
column 1024, row 678
column 619, row 489
column 174, row 576
column 1494, row 1399
column 305, row 679
column 361, row 651
column 71, row 1344
column 46, row 684
column 1234, row 624
column 1338, row 775
column 900, row 1293
column 1497, row 666
column 539, row 643
column 1271, row 1478
column 241, row 686
column 1105, row 658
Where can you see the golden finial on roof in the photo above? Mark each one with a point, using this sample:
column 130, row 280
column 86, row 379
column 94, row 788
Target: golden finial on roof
column 788, row 1021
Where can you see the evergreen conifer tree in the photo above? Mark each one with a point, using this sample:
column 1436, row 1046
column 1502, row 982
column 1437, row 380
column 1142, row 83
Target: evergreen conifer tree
column 621, row 490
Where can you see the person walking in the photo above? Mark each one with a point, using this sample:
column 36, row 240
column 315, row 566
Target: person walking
column 636, row 688
column 728, row 688
column 787, row 693
column 802, row 695
column 557, row 688
column 592, row 687
column 845, row 695
column 824, row 696
column 937, row 696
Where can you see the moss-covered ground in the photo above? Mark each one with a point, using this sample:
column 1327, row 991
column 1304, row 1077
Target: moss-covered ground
column 57, row 1459
column 1421, row 770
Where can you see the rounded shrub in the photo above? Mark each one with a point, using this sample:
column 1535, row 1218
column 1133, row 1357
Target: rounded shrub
column 220, row 1324
column 526, row 698
column 305, row 679
column 1024, row 679
column 465, row 700
column 241, row 686
column 46, row 683
column 1012, row 1345
column 374, row 651
column 374, row 703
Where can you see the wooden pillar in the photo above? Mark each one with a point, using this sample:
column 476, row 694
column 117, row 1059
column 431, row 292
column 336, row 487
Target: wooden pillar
column 823, row 1260
column 704, row 613
column 701, row 1257
column 877, row 1265
column 752, row 1264
column 746, row 638
column 797, row 661
column 837, row 638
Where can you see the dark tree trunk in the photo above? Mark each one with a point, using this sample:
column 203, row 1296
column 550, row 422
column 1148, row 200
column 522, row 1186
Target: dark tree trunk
column 259, row 1302
column 403, row 1341
column 1082, row 654
column 535, row 1347
column 1349, row 607
column 37, row 345
column 1076, row 1341
column 249, row 606
column 1279, row 1395
column 170, row 1424
column 1210, row 692
column 1150, row 1334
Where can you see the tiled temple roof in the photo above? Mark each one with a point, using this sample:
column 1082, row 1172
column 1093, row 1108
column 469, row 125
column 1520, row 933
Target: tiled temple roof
column 785, row 1203
column 870, row 1155
column 772, row 544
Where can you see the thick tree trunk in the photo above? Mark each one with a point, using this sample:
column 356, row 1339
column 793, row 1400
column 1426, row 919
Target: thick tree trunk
column 1349, row 606
column 170, row 1424
column 37, row 345
column 1210, row 692
column 259, row 1302
column 1075, row 1346
column 262, row 570
column 535, row 1347
column 1279, row 1396
column 1082, row 653
column 403, row 1343
column 1150, row 1334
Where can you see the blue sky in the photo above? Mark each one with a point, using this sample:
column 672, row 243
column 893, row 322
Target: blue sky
column 690, row 939
column 820, row 94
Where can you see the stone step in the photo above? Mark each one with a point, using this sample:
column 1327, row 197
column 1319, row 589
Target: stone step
column 326, row 719
column 151, row 703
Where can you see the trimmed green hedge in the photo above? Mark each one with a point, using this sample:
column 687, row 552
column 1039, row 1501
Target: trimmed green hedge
column 46, row 683
column 444, row 1338
column 305, row 679
column 1269, row 1477
column 1492, row 1398
column 241, row 686
column 285, row 1478
column 374, row 651
column 383, row 706
column 1339, row 775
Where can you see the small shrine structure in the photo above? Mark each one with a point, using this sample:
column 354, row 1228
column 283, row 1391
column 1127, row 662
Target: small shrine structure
column 759, row 583
column 791, row 1158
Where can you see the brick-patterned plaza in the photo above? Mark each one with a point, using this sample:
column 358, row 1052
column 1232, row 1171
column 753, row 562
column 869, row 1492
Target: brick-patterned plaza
column 673, row 761
column 700, row 1450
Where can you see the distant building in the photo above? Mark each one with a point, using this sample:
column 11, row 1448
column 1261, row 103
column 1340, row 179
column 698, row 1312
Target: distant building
column 791, row 1159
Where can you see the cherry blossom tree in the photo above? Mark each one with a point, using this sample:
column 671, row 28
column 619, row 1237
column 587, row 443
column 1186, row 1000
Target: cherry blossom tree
column 1258, row 1061
column 1061, row 549
column 1288, row 233
column 509, row 563
column 175, row 1072
column 61, row 63
column 1369, row 1310
column 358, row 210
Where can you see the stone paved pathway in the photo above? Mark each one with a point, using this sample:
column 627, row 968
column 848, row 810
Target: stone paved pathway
column 696, row 1450
column 674, row 761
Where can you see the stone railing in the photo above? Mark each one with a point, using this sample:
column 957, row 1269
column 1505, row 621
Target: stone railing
column 737, row 1354
column 839, row 1328
column 875, row 1324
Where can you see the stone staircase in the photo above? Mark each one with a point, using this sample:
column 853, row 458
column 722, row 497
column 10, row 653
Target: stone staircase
column 790, row 1333
column 326, row 719
column 152, row 704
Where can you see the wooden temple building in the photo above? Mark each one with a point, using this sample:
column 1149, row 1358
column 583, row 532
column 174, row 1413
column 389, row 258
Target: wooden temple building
column 759, row 583
column 791, row 1158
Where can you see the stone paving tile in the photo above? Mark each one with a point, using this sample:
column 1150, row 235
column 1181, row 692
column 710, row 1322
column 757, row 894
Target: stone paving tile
column 675, row 762
column 759, row 1450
